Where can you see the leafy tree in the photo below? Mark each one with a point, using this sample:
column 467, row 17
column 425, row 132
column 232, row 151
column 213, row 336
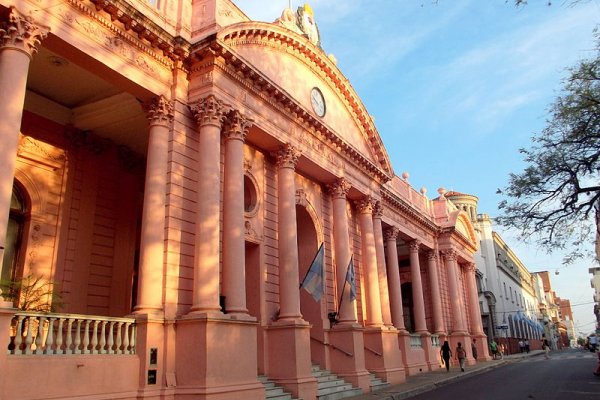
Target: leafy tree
column 556, row 198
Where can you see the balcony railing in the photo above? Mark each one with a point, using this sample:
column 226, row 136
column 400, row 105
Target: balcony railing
column 435, row 340
column 33, row 333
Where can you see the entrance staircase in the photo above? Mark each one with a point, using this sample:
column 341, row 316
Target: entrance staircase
column 272, row 391
column 329, row 386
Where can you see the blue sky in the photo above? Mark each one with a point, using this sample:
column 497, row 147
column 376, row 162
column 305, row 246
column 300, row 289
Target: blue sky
column 456, row 87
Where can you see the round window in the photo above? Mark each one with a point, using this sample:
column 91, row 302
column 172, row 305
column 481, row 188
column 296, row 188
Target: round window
column 250, row 195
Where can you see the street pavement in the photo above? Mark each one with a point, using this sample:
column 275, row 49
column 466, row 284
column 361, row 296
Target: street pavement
column 428, row 381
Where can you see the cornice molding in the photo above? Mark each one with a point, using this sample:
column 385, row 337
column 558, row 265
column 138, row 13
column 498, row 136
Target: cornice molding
column 399, row 204
column 173, row 47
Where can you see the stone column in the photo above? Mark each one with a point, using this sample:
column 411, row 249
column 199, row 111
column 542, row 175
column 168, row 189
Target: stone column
column 19, row 40
column 209, row 113
column 339, row 191
column 380, row 252
column 289, row 294
column 369, row 259
column 474, row 310
column 393, row 275
column 234, row 260
column 454, row 294
column 152, row 238
column 436, row 298
column 417, row 287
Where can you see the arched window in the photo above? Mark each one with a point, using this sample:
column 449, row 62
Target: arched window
column 14, row 235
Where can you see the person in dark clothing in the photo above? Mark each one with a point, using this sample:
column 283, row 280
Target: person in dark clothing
column 446, row 354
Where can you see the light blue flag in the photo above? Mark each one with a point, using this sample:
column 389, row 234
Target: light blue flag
column 314, row 279
column 350, row 278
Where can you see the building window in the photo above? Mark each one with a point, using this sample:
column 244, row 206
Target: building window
column 14, row 235
column 153, row 2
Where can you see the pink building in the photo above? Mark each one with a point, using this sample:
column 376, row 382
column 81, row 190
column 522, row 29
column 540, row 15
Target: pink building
column 170, row 169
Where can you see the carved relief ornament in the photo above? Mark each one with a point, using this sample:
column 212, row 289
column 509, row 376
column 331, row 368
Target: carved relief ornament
column 414, row 246
column 339, row 189
column 432, row 255
column 378, row 210
column 287, row 156
column 236, row 126
column 159, row 111
column 21, row 33
column 391, row 233
column 365, row 205
column 450, row 255
column 210, row 111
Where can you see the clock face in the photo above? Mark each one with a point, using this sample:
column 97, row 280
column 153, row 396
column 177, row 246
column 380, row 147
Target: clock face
column 317, row 101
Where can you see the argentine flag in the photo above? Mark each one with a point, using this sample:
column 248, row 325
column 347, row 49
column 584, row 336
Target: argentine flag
column 351, row 280
column 314, row 279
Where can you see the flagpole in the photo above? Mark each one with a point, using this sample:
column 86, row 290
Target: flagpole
column 311, row 263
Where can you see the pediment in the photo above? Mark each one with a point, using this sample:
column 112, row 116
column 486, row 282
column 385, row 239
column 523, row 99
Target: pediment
column 296, row 67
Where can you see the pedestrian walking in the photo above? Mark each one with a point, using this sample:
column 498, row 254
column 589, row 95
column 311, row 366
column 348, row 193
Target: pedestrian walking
column 494, row 348
column 474, row 349
column 546, row 347
column 527, row 346
column 501, row 350
column 521, row 346
column 446, row 354
column 461, row 355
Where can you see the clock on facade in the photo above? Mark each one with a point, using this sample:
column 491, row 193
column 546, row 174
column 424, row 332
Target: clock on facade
column 318, row 101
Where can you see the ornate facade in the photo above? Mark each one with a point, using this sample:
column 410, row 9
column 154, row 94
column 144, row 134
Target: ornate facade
column 170, row 170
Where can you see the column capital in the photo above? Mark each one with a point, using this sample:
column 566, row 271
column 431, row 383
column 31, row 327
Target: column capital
column 414, row 246
column 287, row 156
column 365, row 205
column 236, row 126
column 21, row 33
column 159, row 111
column 339, row 189
column 470, row 267
column 378, row 210
column 432, row 255
column 450, row 254
column 209, row 111
column 391, row 233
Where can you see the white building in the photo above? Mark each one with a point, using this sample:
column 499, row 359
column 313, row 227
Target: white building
column 509, row 293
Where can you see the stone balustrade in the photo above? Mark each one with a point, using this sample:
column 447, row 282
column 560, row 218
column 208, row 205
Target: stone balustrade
column 435, row 340
column 33, row 333
column 415, row 340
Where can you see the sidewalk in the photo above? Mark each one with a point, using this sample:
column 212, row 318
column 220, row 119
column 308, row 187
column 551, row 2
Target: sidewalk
column 427, row 381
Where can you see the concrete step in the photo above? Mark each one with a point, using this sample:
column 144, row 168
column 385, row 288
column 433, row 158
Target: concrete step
column 331, row 387
column 377, row 383
column 273, row 391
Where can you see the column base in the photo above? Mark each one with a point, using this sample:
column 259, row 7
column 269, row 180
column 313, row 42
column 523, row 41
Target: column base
column 382, row 354
column 413, row 358
column 289, row 362
column 150, row 334
column 465, row 341
column 216, row 358
column 432, row 355
column 483, row 350
column 347, row 355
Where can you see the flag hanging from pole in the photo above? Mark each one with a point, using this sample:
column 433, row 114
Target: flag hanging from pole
column 314, row 279
column 350, row 278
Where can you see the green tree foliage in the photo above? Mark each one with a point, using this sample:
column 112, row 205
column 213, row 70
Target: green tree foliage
column 556, row 198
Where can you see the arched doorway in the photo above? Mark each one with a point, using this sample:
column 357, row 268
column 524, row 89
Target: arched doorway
column 312, row 311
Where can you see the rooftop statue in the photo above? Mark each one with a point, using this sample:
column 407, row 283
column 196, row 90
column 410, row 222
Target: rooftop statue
column 302, row 22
